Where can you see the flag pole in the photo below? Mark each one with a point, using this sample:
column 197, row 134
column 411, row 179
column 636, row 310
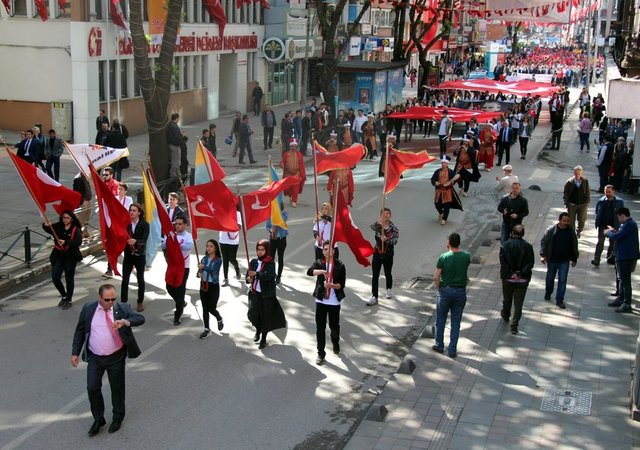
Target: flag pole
column 244, row 226
column 195, row 241
column 315, row 170
column 329, row 277
column 384, row 186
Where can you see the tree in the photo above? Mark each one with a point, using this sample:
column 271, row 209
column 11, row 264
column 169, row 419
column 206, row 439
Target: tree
column 155, row 84
column 512, row 29
column 418, row 29
column 329, row 15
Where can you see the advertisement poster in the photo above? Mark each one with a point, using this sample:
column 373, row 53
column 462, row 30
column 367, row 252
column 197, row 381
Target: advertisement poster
column 157, row 19
column 394, row 86
column 364, row 85
column 379, row 89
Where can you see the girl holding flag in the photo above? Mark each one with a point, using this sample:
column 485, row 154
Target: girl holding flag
column 328, row 293
column 209, row 272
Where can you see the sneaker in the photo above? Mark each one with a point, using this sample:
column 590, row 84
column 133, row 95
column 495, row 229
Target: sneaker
column 389, row 294
column 578, row 234
column 452, row 354
column 595, row 262
column 140, row 307
column 514, row 331
column 294, row 204
column 66, row 305
column 437, row 349
column 108, row 274
column 262, row 345
column 62, row 301
column 465, row 194
column 372, row 301
column 176, row 322
column 443, row 222
column 225, row 282
column 319, row 360
column 623, row 309
column 220, row 325
column 615, row 303
column 205, row 333
column 278, row 280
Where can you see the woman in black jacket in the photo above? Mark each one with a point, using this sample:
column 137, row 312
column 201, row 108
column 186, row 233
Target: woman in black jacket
column 265, row 312
column 329, row 292
column 67, row 234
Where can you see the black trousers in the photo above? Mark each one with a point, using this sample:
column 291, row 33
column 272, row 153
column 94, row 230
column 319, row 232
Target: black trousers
column 268, row 137
column 443, row 208
column 178, row 293
column 513, row 294
column 209, row 300
column 128, row 263
column 68, row 266
column 278, row 246
column 504, row 149
column 229, row 252
column 524, row 141
column 114, row 366
column 333, row 313
column 379, row 260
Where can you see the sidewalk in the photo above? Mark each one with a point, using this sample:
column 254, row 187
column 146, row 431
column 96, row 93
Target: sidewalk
column 563, row 381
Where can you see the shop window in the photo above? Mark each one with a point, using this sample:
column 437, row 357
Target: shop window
column 35, row 12
column 98, row 10
column 124, row 78
column 112, row 80
column 67, row 9
column 101, row 81
column 347, row 87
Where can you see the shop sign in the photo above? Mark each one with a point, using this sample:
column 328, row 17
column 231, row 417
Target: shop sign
column 95, row 41
column 354, row 46
column 295, row 48
column 273, row 49
column 196, row 43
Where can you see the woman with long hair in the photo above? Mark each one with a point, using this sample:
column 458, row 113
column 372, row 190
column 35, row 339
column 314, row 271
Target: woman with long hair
column 209, row 271
column 265, row 312
column 67, row 235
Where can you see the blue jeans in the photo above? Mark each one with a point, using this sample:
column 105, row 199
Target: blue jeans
column 562, row 269
column 449, row 299
column 624, row 272
column 505, row 231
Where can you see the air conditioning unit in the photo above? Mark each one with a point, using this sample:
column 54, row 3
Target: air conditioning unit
column 374, row 30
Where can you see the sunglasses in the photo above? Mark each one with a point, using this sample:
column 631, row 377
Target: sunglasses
column 109, row 300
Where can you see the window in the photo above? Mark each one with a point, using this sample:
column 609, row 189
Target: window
column 67, row 9
column 177, row 63
column 380, row 18
column 347, row 86
column 185, row 72
column 101, row 82
column 34, row 9
column 112, row 80
column 203, row 69
column 124, row 78
column 98, row 9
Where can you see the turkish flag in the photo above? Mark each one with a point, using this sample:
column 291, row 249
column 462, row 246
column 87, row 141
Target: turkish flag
column 212, row 206
column 173, row 254
column 216, row 11
column 346, row 231
column 319, row 148
column 41, row 6
column 7, row 5
column 44, row 189
column 399, row 161
column 344, row 159
column 117, row 17
column 257, row 204
column 114, row 220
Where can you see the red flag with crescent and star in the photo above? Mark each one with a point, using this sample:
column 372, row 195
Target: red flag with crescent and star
column 346, row 231
column 257, row 204
column 216, row 11
column 399, row 161
column 212, row 206
column 344, row 159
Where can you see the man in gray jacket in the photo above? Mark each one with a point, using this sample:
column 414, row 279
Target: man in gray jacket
column 53, row 150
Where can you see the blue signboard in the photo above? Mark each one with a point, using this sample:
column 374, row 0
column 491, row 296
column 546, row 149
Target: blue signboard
column 394, row 86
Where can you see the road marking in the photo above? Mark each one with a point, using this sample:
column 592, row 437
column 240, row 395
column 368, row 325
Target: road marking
column 38, row 417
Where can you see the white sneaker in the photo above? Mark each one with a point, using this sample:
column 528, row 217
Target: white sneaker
column 388, row 293
column 372, row 301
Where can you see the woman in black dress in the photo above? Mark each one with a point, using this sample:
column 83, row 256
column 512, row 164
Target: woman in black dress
column 265, row 312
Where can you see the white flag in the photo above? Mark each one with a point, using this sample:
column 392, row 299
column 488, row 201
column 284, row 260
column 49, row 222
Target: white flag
column 99, row 155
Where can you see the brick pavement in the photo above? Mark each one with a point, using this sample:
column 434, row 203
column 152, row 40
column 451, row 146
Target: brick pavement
column 491, row 395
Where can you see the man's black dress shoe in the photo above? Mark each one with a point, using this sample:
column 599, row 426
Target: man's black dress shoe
column 115, row 426
column 95, row 428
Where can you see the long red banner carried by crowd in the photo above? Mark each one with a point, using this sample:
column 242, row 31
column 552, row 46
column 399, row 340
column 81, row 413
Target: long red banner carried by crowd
column 455, row 114
column 520, row 88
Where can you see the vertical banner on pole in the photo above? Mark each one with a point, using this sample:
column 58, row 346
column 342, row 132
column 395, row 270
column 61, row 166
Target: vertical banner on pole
column 157, row 19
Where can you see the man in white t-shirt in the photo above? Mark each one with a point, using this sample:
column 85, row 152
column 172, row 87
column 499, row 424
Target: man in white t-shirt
column 504, row 184
column 444, row 131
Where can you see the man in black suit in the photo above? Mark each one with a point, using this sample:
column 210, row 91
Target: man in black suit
column 505, row 141
column 102, row 118
column 29, row 149
column 105, row 338
column 135, row 254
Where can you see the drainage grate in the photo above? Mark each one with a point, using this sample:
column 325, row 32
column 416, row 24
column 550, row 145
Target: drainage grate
column 569, row 402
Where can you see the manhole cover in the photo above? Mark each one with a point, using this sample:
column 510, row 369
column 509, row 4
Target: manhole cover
column 568, row 402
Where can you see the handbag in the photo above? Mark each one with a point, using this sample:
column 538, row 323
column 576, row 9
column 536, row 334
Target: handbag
column 228, row 140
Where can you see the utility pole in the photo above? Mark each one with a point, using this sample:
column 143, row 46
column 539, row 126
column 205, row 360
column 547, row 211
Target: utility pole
column 305, row 64
column 596, row 35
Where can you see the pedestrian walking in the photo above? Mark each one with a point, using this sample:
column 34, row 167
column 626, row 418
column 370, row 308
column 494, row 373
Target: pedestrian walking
column 257, row 95
column 386, row 237
column 178, row 293
column 506, row 138
column 444, row 132
column 445, row 197
column 265, row 312
column 558, row 248
column 450, row 279
column 516, row 266
column 244, row 134
column 514, row 207
column 504, row 183
column 606, row 216
column 209, row 273
column 584, row 131
column 135, row 254
column 577, row 196
column 104, row 337
column 330, row 276
column 627, row 254
column 67, row 236
column 278, row 241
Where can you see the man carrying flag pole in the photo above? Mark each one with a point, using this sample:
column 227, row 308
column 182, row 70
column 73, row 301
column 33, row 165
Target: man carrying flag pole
column 277, row 226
